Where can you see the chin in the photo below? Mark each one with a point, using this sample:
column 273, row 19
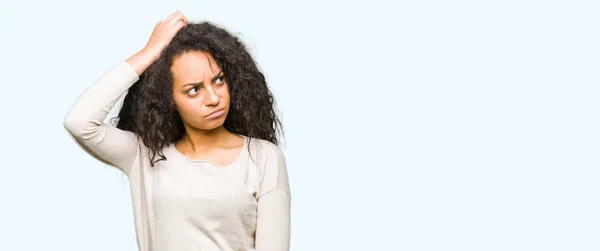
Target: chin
column 212, row 125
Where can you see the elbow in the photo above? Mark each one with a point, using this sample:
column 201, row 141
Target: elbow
column 69, row 123
column 73, row 125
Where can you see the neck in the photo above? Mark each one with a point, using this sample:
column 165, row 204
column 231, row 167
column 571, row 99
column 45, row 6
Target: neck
column 201, row 140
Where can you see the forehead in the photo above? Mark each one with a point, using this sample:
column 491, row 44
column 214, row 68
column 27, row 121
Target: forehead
column 194, row 66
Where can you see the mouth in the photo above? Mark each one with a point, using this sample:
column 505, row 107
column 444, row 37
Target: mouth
column 216, row 113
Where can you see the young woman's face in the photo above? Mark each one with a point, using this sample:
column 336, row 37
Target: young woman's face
column 200, row 91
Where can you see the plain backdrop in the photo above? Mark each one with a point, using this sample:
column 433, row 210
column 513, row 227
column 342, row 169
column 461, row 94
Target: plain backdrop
column 410, row 125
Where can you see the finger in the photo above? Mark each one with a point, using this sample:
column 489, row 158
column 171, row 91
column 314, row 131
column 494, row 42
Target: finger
column 170, row 16
column 174, row 17
column 180, row 24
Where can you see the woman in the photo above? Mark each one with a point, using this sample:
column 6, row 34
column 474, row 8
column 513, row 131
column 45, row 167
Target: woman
column 196, row 137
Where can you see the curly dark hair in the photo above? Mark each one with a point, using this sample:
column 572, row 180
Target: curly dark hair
column 149, row 110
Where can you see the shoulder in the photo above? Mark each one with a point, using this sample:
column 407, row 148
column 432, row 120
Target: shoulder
column 264, row 148
column 271, row 164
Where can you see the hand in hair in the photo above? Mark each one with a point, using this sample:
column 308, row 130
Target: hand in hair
column 163, row 33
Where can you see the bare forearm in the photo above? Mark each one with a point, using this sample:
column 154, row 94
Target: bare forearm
column 142, row 60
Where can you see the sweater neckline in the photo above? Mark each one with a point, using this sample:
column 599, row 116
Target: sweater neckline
column 243, row 152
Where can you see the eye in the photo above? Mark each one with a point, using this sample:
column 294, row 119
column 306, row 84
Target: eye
column 193, row 91
column 220, row 80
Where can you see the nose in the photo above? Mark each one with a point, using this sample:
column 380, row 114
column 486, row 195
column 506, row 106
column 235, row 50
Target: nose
column 212, row 99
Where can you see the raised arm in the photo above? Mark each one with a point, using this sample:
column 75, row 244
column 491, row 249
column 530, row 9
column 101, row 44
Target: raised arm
column 273, row 214
column 84, row 120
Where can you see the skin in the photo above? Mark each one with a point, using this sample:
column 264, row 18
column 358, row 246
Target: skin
column 205, row 138
column 200, row 88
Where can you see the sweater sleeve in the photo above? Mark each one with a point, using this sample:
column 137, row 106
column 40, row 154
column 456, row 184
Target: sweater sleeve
column 85, row 119
column 274, row 201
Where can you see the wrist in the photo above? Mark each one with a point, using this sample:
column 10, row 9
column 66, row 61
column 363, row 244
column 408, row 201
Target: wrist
column 142, row 60
column 149, row 53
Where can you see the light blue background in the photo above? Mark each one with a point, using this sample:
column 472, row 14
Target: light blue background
column 413, row 125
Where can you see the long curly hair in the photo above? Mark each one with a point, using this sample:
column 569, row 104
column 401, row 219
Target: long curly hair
column 149, row 110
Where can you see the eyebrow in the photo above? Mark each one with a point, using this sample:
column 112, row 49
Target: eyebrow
column 202, row 82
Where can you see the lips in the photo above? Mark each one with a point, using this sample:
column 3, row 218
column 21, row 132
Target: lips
column 215, row 112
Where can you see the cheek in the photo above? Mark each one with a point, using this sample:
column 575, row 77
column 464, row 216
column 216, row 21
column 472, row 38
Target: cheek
column 225, row 96
column 185, row 106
